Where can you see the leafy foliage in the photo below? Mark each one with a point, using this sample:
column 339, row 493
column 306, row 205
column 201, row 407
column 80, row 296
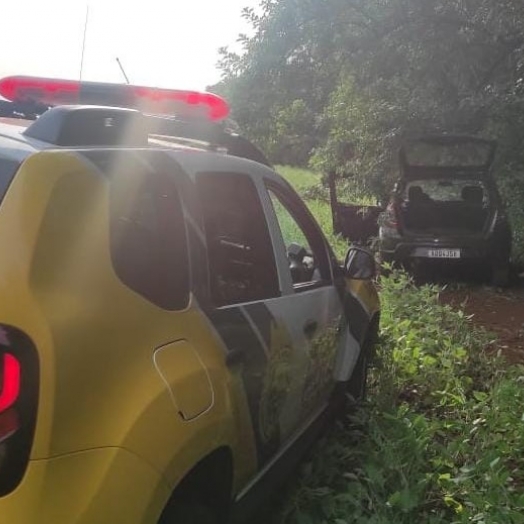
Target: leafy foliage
column 317, row 200
column 341, row 83
column 441, row 439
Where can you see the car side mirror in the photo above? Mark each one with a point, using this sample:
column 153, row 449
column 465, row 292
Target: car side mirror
column 359, row 264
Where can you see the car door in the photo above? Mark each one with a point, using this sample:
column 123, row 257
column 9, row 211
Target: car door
column 244, row 290
column 311, row 304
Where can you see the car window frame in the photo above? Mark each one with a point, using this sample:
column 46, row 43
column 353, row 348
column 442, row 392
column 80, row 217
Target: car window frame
column 295, row 206
column 280, row 288
column 160, row 166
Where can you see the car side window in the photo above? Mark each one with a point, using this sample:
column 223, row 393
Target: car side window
column 147, row 233
column 305, row 247
column 240, row 255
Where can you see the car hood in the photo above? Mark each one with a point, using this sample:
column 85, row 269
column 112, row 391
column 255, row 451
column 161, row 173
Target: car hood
column 442, row 156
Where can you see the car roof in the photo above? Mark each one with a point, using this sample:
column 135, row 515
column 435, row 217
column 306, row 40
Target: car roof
column 14, row 145
column 74, row 127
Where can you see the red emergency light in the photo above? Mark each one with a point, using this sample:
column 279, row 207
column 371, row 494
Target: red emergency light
column 53, row 92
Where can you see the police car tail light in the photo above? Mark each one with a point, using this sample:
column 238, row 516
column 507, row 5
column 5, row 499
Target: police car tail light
column 10, row 373
column 19, row 387
column 9, row 393
column 53, row 92
column 10, row 380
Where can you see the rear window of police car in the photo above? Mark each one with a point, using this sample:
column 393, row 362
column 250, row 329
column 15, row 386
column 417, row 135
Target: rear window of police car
column 147, row 226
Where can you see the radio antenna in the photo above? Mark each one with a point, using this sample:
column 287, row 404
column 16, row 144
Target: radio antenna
column 84, row 42
column 122, row 69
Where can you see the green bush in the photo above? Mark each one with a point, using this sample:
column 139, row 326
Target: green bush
column 316, row 196
column 441, row 439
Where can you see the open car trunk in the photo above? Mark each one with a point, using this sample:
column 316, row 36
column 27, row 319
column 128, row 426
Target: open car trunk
column 444, row 190
column 444, row 218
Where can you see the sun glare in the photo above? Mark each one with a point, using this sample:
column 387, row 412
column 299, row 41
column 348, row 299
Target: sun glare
column 159, row 43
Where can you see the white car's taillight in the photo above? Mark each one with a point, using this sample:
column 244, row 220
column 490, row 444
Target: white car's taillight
column 389, row 225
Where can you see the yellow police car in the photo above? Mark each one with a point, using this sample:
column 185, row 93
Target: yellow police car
column 174, row 328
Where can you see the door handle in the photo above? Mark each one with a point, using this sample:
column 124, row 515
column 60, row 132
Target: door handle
column 235, row 356
column 310, row 328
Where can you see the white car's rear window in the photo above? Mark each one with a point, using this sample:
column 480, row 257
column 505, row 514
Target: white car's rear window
column 447, row 190
column 462, row 154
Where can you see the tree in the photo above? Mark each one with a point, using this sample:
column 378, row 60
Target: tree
column 356, row 77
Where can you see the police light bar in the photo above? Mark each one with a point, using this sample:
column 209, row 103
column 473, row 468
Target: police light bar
column 53, row 92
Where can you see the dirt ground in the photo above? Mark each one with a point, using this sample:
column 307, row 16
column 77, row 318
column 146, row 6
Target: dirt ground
column 500, row 312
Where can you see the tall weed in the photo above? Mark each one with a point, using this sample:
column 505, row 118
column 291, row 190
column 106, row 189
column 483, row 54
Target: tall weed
column 441, row 439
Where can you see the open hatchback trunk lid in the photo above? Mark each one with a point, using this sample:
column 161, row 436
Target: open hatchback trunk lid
column 451, row 156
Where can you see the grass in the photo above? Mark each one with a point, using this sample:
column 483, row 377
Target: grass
column 308, row 185
column 300, row 179
column 441, row 439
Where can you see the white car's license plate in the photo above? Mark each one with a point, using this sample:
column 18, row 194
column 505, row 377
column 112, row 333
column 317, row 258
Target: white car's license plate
column 444, row 253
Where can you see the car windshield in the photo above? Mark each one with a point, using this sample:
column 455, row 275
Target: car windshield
column 445, row 190
column 461, row 154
